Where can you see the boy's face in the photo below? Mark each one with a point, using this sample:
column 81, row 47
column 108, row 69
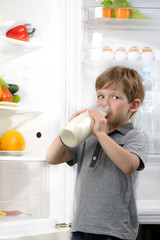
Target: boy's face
column 115, row 97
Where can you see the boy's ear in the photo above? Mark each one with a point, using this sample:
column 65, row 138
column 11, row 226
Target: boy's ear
column 135, row 105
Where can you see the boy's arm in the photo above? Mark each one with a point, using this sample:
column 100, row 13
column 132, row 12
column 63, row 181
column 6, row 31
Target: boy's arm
column 57, row 153
column 128, row 162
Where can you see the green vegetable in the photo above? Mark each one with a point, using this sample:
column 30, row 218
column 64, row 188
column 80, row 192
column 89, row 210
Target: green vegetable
column 121, row 4
column 13, row 88
column 16, row 98
column 107, row 3
column 136, row 14
column 3, row 83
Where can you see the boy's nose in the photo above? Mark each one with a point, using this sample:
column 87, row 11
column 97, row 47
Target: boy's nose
column 106, row 100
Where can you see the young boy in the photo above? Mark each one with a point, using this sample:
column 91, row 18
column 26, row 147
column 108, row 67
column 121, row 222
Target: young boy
column 107, row 161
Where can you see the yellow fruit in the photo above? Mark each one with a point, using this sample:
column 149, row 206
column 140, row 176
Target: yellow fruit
column 0, row 91
column 13, row 141
column 2, row 213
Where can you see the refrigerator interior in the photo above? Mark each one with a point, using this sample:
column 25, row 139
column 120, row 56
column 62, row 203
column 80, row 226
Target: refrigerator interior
column 98, row 32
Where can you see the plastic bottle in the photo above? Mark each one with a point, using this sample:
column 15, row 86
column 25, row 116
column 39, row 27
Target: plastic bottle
column 149, row 103
column 147, row 120
column 80, row 128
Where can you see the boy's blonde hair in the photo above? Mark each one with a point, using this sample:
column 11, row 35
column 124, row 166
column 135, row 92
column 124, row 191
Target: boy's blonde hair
column 129, row 79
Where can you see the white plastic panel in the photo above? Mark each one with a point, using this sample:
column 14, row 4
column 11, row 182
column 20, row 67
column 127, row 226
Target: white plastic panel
column 23, row 188
column 148, row 194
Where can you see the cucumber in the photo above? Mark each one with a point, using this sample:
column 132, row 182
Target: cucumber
column 13, row 88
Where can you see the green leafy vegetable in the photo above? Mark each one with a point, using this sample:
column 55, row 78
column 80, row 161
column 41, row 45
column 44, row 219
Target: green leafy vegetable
column 121, row 4
column 107, row 3
column 136, row 14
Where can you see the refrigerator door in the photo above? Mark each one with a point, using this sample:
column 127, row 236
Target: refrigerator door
column 32, row 192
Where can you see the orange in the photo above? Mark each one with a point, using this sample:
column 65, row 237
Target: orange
column 0, row 141
column 0, row 92
column 13, row 141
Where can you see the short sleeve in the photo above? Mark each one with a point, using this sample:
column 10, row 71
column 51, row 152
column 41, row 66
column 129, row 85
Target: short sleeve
column 73, row 152
column 136, row 143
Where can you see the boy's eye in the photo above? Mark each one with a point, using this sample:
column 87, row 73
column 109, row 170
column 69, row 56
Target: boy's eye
column 100, row 96
column 115, row 97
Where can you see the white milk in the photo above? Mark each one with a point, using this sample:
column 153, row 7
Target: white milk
column 80, row 128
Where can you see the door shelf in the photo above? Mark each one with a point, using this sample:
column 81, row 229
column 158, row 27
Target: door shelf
column 19, row 111
column 15, row 117
column 11, row 48
column 94, row 20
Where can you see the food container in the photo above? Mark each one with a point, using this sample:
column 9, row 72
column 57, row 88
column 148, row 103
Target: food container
column 133, row 53
column 107, row 12
column 147, row 54
column 122, row 12
column 120, row 54
column 107, row 53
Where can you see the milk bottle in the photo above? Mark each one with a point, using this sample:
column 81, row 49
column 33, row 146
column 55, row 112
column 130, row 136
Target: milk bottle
column 80, row 128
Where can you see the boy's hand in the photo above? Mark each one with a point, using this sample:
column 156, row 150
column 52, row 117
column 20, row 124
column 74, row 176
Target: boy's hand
column 100, row 122
column 77, row 113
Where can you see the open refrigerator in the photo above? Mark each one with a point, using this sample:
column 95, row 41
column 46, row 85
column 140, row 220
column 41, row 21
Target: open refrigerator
column 56, row 72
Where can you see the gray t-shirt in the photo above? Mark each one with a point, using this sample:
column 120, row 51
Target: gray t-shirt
column 105, row 202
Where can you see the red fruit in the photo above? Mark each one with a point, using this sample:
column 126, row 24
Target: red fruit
column 20, row 33
column 6, row 95
column 12, row 213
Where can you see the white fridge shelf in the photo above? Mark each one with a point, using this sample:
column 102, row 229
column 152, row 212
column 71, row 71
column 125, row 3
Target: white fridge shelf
column 94, row 20
column 98, row 56
column 19, row 111
column 148, row 211
column 11, row 48
column 15, row 117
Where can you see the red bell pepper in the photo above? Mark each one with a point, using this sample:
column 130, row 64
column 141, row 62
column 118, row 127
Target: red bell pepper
column 20, row 33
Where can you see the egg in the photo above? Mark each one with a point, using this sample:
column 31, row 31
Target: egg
column 120, row 54
column 107, row 53
column 147, row 54
column 133, row 53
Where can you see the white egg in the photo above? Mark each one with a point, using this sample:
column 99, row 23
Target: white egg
column 120, row 54
column 108, row 53
column 133, row 53
column 147, row 54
